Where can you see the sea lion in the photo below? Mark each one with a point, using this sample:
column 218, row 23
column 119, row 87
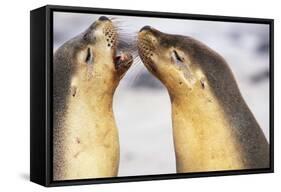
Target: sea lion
column 87, row 70
column 213, row 128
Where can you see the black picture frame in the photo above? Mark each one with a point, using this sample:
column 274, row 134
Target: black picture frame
column 41, row 52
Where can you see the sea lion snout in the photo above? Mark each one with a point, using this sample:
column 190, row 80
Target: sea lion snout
column 150, row 30
column 103, row 18
column 145, row 28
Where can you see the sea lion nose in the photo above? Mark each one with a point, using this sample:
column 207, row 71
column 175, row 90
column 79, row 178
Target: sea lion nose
column 103, row 18
column 146, row 28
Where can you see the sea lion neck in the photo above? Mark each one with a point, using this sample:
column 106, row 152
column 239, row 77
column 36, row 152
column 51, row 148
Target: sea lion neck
column 199, row 95
column 199, row 125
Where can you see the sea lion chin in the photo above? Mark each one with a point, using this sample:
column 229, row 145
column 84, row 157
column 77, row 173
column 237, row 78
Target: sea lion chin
column 87, row 70
column 213, row 128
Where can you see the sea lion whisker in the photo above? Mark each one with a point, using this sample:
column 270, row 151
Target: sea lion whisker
column 136, row 64
column 137, row 74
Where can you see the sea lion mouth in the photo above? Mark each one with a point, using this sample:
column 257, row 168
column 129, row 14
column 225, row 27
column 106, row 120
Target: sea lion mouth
column 121, row 58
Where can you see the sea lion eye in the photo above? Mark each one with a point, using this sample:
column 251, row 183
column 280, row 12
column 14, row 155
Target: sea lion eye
column 176, row 56
column 89, row 56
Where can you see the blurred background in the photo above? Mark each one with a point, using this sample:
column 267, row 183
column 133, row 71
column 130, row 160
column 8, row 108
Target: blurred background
column 141, row 103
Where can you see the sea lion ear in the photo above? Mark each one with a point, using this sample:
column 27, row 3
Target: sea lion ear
column 89, row 35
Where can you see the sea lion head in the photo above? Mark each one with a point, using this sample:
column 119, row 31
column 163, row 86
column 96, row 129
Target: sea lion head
column 101, row 40
column 91, row 62
column 181, row 63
